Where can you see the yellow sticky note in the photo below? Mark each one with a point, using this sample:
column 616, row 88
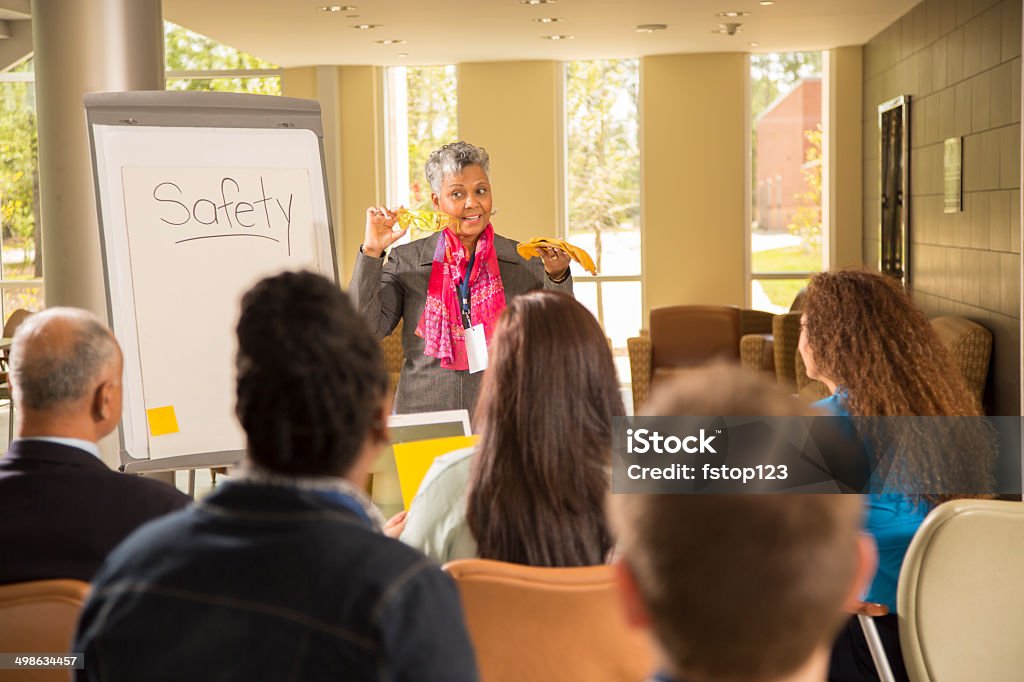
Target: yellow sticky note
column 162, row 420
column 413, row 460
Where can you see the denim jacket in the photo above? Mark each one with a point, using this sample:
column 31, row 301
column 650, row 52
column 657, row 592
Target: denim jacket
column 264, row 581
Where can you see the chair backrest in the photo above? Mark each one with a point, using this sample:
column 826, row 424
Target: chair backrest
column 393, row 356
column 970, row 344
column 690, row 335
column 40, row 617
column 961, row 595
column 530, row 623
column 14, row 321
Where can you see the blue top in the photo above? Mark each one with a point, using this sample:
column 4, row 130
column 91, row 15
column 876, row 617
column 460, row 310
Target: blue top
column 892, row 519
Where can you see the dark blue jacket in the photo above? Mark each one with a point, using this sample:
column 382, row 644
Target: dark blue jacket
column 267, row 582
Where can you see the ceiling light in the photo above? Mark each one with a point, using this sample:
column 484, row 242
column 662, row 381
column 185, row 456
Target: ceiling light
column 548, row 20
column 390, row 41
column 402, row 55
column 733, row 15
column 650, row 28
column 536, row 2
column 767, row 3
column 562, row 37
column 337, row 8
column 728, row 29
column 755, row 44
column 366, row 27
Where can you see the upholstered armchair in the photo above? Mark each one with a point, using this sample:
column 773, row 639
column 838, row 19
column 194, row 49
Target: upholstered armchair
column 688, row 336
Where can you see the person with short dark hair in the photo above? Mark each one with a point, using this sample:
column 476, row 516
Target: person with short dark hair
column 61, row 509
column 283, row 571
column 739, row 588
column 447, row 284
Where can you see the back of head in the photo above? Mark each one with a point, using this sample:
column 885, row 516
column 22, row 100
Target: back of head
column 738, row 587
column 869, row 338
column 310, row 375
column 57, row 356
column 545, row 414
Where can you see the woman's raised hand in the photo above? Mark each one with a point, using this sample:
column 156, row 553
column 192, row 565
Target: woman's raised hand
column 379, row 234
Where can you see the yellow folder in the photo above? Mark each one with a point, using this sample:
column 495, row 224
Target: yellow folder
column 413, row 460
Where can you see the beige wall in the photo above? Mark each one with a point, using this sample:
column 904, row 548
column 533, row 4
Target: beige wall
column 352, row 102
column 693, row 153
column 511, row 109
column 961, row 65
column 844, row 97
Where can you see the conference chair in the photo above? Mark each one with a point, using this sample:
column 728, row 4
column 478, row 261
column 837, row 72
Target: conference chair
column 12, row 324
column 687, row 336
column 960, row 595
column 40, row 617
column 533, row 623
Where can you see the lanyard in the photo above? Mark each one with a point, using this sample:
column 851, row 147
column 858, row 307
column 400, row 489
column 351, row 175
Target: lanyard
column 464, row 292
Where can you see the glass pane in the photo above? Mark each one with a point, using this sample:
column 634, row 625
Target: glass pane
column 256, row 85
column 586, row 293
column 432, row 120
column 19, row 183
column 603, row 163
column 622, row 305
column 775, row 295
column 29, row 298
column 186, row 50
column 786, row 162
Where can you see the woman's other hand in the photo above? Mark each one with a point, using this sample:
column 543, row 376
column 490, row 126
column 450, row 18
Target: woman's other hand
column 395, row 525
column 556, row 261
column 379, row 234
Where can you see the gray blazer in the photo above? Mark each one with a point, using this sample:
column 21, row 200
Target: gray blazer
column 385, row 292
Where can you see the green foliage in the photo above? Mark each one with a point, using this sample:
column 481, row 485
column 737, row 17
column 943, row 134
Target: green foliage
column 807, row 218
column 432, row 120
column 18, row 175
column 186, row 50
column 603, row 147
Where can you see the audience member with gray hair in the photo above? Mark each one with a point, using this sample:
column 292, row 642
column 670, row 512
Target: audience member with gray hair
column 61, row 509
column 450, row 287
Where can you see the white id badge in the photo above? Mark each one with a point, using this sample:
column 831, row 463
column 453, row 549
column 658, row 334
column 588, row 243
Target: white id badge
column 476, row 348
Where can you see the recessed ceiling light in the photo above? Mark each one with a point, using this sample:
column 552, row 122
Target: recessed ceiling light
column 390, row 41
column 366, row 27
column 733, row 14
column 767, row 3
column 402, row 55
column 536, row 2
column 755, row 44
column 650, row 28
column 336, row 8
column 561, row 37
column 548, row 20
column 351, row 16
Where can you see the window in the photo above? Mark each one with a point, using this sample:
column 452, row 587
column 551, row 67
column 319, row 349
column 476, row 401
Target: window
column 421, row 113
column 21, row 265
column 786, row 172
column 195, row 62
column 603, row 194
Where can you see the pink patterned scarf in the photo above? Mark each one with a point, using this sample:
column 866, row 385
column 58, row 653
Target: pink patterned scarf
column 441, row 324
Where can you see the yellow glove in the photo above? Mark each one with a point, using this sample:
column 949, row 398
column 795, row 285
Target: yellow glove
column 533, row 248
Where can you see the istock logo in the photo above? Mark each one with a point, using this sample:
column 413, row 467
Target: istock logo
column 643, row 441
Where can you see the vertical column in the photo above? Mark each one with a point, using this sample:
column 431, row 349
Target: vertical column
column 83, row 46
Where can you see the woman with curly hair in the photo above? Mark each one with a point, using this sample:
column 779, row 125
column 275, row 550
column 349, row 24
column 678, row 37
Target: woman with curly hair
column 877, row 353
column 532, row 491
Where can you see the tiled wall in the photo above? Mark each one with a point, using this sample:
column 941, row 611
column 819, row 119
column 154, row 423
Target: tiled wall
column 960, row 60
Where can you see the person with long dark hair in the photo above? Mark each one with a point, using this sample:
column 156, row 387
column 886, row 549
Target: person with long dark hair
column 862, row 336
column 532, row 491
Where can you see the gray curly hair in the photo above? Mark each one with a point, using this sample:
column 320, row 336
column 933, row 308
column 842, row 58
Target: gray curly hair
column 451, row 159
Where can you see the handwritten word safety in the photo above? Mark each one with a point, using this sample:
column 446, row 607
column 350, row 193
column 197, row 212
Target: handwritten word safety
column 233, row 212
